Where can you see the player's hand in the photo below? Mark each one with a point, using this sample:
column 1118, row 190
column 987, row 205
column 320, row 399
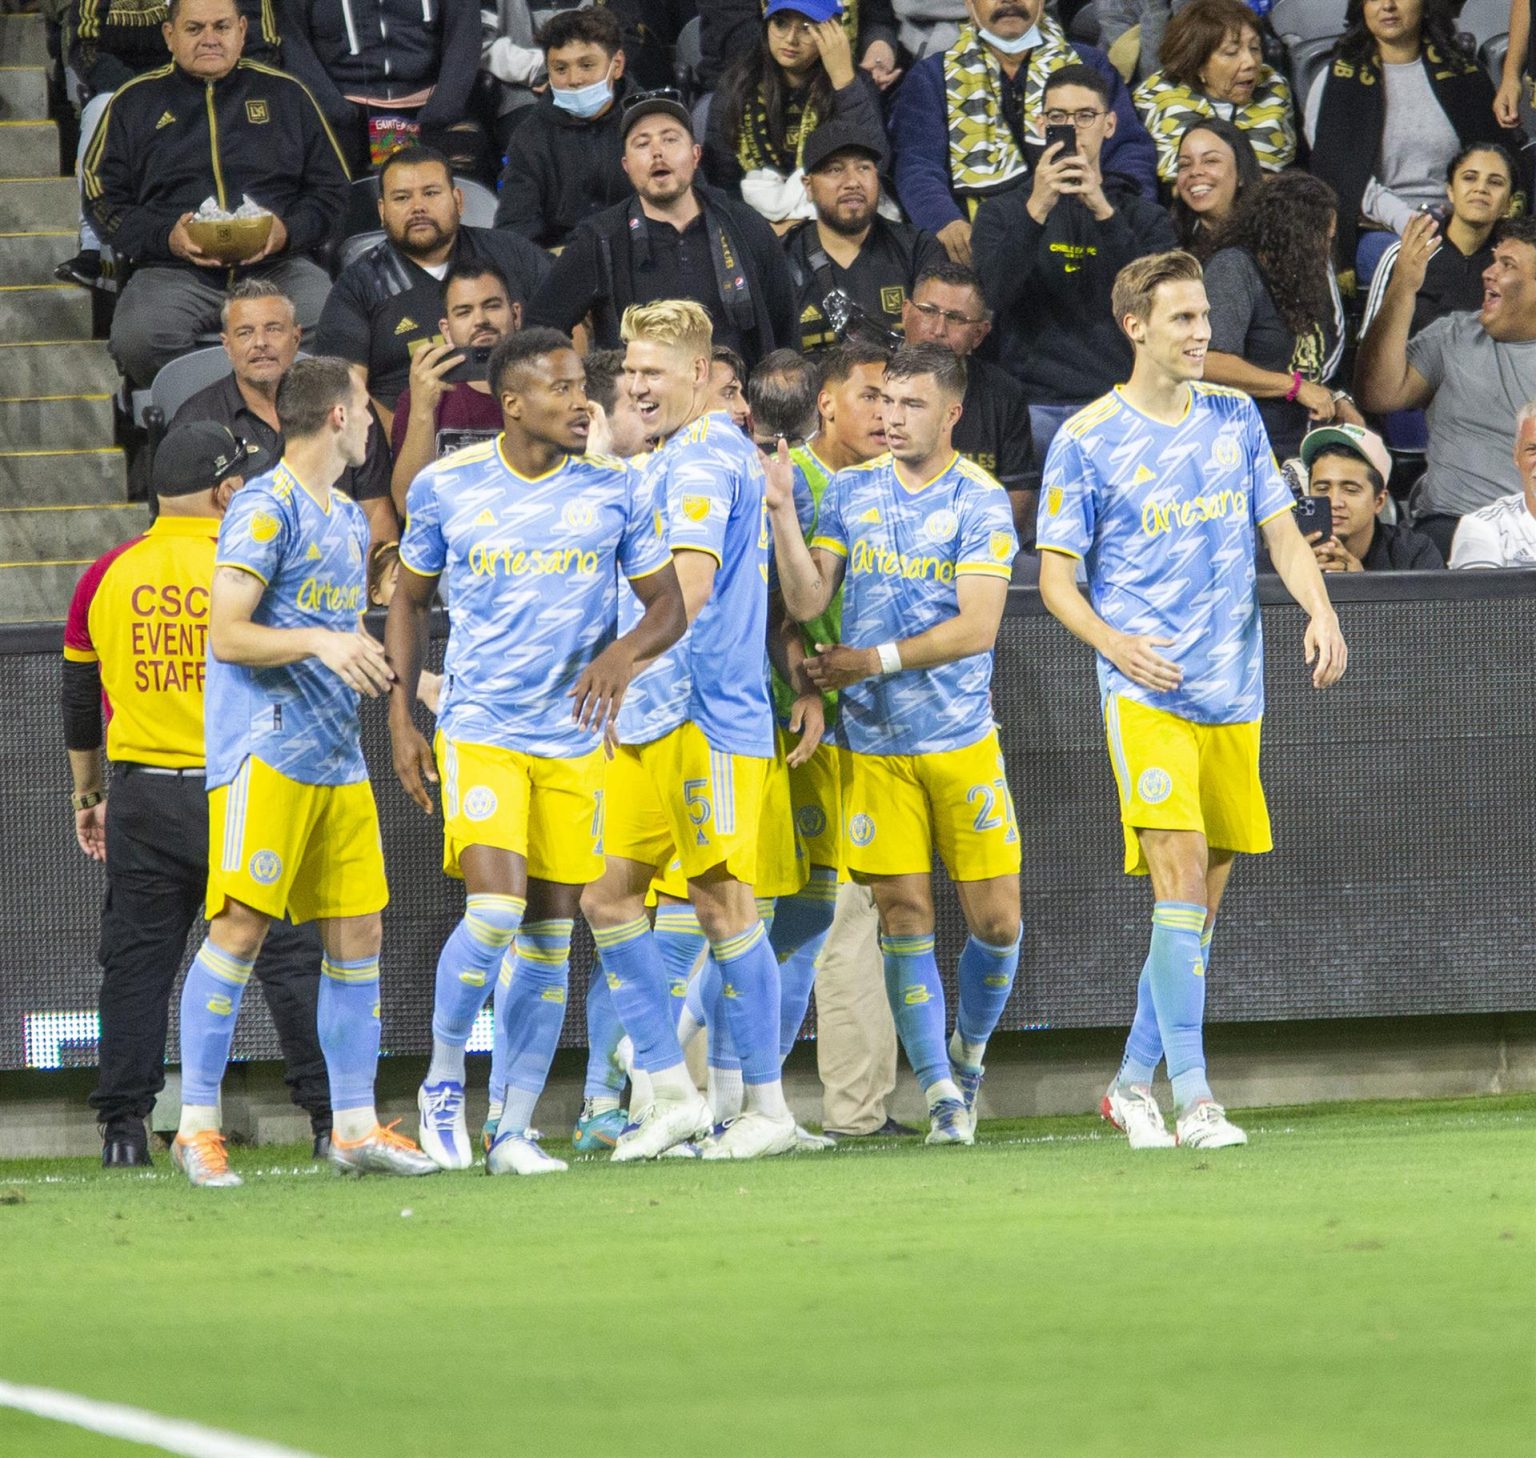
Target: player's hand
column 413, row 761
column 602, row 686
column 1324, row 644
column 429, row 690
column 180, row 243
column 956, row 238
column 836, row 665
column 1421, row 239
column 1333, row 556
column 779, row 472
column 91, row 831
column 358, row 660
column 879, row 64
column 428, row 366
column 1139, row 660
column 808, row 719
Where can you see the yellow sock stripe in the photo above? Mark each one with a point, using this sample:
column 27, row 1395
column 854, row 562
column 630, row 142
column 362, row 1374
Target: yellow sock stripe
column 677, row 919
column 906, row 946
column 766, row 905
column 818, row 891
column 542, row 956
column 1179, row 920
column 738, row 946
column 613, row 936
column 223, row 966
column 355, row 973
column 490, row 933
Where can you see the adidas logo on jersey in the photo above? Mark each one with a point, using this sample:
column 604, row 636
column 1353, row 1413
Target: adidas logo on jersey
column 486, row 518
column 872, row 515
column 167, row 119
column 314, row 553
column 1142, row 476
column 405, row 325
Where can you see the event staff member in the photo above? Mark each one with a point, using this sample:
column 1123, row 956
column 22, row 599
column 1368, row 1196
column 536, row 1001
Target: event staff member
column 135, row 645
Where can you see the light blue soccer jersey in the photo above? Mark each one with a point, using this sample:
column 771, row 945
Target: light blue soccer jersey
column 300, row 719
column 904, row 552
column 708, row 482
column 1164, row 516
column 532, row 570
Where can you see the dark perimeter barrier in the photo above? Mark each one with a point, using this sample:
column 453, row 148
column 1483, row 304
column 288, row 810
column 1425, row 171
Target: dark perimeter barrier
column 1403, row 801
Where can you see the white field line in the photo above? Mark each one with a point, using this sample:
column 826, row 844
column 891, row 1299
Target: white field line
column 134, row 1425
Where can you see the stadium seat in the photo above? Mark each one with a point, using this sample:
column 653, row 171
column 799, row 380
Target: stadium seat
column 1482, row 20
column 1491, row 53
column 479, row 203
column 1308, row 20
column 1309, row 59
column 688, row 60
column 173, row 386
column 357, row 245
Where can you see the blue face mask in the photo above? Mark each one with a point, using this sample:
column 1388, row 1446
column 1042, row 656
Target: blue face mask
column 584, row 101
column 1026, row 42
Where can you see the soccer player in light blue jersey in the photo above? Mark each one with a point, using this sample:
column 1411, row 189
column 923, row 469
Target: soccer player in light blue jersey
column 922, row 544
column 292, row 824
column 695, row 746
column 532, row 537
column 1160, row 487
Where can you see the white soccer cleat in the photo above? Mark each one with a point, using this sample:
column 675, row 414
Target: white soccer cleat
column 753, row 1136
column 444, row 1132
column 1134, row 1112
column 202, row 1158
column 1206, row 1126
column 665, row 1123
column 519, row 1154
column 808, row 1143
column 950, row 1122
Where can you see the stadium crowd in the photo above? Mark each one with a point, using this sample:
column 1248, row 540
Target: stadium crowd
column 828, row 187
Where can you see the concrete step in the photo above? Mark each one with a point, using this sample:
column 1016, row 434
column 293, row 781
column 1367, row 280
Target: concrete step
column 37, row 202
column 64, row 422
column 42, row 367
column 64, row 478
column 30, row 148
column 37, row 592
column 23, row 93
column 30, row 258
column 23, row 42
column 44, row 311
column 61, row 533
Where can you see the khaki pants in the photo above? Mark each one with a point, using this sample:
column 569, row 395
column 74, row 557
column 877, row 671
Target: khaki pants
column 855, row 1035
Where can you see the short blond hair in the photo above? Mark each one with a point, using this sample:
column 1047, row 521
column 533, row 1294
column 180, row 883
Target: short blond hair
column 678, row 323
column 1140, row 279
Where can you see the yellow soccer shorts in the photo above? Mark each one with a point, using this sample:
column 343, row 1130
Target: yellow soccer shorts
column 899, row 807
column 291, row 849
column 678, row 797
column 816, row 793
column 549, row 811
column 1174, row 774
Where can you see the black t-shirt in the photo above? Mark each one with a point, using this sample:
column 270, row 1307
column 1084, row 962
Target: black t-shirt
column 1401, row 549
column 223, row 402
column 993, row 429
column 878, row 281
column 681, row 266
column 385, row 306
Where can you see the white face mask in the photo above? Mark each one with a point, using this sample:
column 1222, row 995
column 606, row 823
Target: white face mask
column 1026, row 42
column 585, row 101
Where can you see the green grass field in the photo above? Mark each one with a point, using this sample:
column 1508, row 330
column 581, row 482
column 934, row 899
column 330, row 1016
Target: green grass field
column 1358, row 1281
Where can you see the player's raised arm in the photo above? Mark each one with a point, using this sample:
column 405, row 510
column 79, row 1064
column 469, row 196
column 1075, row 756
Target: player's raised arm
column 808, row 578
column 1294, row 560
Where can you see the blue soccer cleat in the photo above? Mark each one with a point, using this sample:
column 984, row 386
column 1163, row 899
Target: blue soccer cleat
column 968, row 1081
column 950, row 1123
column 598, row 1133
column 444, row 1135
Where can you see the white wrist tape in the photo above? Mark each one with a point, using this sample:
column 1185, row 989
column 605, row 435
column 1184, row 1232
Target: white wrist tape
column 890, row 659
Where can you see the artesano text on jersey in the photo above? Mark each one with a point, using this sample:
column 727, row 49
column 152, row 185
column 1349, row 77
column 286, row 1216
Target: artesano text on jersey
column 533, row 589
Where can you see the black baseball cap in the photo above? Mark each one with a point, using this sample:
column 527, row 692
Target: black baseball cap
column 667, row 101
column 839, row 136
column 198, row 456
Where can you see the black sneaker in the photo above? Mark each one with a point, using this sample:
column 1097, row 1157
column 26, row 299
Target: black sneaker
column 321, row 1149
column 125, row 1145
column 87, row 269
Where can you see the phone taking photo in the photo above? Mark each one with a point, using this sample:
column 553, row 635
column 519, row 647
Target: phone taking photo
column 1315, row 514
column 471, row 365
column 1066, row 134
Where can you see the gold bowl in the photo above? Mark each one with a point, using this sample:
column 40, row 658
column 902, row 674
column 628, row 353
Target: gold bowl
column 232, row 241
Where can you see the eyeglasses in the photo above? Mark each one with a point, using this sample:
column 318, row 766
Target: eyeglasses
column 769, row 445
column 949, row 316
column 1080, row 119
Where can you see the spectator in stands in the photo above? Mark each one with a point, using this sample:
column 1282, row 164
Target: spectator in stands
column 1213, row 66
column 391, row 71
column 477, row 314
column 1400, row 100
column 848, row 246
column 1471, row 372
column 261, row 336
column 798, row 76
column 386, row 304
column 511, row 65
column 234, row 129
column 616, row 428
column 1350, row 465
column 966, row 125
column 1503, row 533
column 677, row 238
column 564, row 159
column 1277, row 323
column 1048, row 258
column 728, row 386
column 731, row 27
column 782, row 400
column 1215, row 167
column 1479, row 184
column 947, row 307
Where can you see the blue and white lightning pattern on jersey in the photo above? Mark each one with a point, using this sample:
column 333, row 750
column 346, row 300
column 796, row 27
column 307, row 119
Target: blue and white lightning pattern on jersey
column 1165, row 518
column 707, row 481
column 300, row 719
column 532, row 570
column 904, row 552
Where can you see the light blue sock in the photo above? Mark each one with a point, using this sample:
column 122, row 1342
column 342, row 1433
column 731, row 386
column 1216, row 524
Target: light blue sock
column 1144, row 1046
column 466, row 963
column 637, row 984
column 917, row 1003
column 749, row 986
column 680, row 940
column 709, row 987
column 799, row 929
column 985, row 979
column 1176, row 978
column 533, row 1005
column 605, row 1079
column 210, row 1003
column 348, row 1021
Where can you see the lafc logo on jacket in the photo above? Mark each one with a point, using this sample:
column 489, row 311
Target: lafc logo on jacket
column 257, row 114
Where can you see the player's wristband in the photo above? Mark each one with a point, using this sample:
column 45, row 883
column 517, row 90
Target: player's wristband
column 1295, row 389
column 890, row 658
